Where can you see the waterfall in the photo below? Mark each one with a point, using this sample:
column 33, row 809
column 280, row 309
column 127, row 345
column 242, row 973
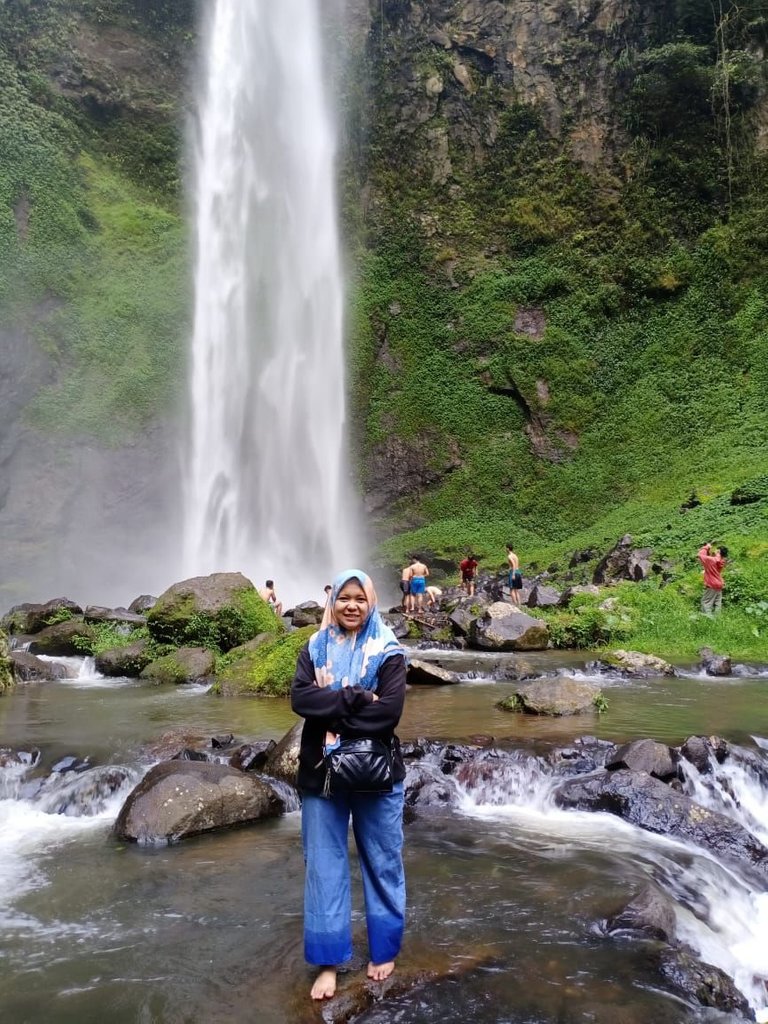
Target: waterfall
column 267, row 483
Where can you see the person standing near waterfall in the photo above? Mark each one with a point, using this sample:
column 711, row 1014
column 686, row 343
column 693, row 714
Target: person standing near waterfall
column 350, row 683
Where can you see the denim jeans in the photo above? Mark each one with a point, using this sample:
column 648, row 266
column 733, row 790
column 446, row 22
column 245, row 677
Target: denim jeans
column 377, row 823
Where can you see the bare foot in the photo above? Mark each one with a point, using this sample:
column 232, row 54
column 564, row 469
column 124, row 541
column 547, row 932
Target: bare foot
column 380, row 972
column 325, row 984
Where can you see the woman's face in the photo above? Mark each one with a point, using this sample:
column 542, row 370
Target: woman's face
column 351, row 607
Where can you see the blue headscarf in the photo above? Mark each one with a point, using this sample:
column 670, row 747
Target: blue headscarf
column 342, row 658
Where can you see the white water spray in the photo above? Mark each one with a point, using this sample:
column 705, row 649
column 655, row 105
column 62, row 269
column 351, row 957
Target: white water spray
column 267, row 488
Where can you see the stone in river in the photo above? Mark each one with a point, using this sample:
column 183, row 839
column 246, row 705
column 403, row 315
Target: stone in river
column 283, row 761
column 177, row 799
column 31, row 618
column 128, row 660
column 715, row 664
column 701, row 982
column 428, row 673
column 644, row 756
column 650, row 914
column 28, row 668
column 560, row 696
column 503, row 627
column 63, row 639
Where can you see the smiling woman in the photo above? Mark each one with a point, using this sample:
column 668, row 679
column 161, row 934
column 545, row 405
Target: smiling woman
column 350, row 685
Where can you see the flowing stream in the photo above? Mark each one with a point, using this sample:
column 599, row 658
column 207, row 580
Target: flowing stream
column 210, row 929
column 267, row 485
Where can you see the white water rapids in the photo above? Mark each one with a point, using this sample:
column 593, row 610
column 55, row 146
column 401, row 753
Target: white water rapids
column 267, row 489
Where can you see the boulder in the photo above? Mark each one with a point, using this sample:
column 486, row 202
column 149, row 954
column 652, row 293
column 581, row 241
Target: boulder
column 648, row 756
column 251, row 756
column 63, row 639
column 222, row 609
column 31, row 618
column 543, row 596
column 308, row 614
column 427, row 786
column 503, row 627
column 570, row 592
column 177, row 799
column 648, row 803
column 623, row 562
column 638, row 666
column 283, row 760
column 463, row 617
column 560, row 696
column 27, row 668
column 650, row 915
column 700, row 982
column 141, row 605
column 128, row 660
column 428, row 673
column 266, row 671
column 119, row 616
column 699, row 751
column 185, row 665
column 251, row 645
column 715, row 664
column 397, row 622
column 84, row 792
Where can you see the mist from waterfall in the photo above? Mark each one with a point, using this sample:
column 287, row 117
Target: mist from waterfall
column 267, row 488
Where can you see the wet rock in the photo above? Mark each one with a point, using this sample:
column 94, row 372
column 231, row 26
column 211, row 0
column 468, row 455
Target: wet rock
column 185, row 665
column 31, row 618
column 63, row 639
column 503, row 627
column 189, row 754
column 560, row 696
column 310, row 613
column 166, row 746
column 570, row 592
column 177, row 799
column 283, row 760
column 251, row 756
column 700, row 982
column 648, row 803
column 543, row 596
column 28, row 668
column 644, row 756
column 698, row 750
column 650, row 915
column 429, row 673
column 83, row 794
column 71, row 763
column 142, row 604
column 715, row 664
column 117, row 616
column 397, row 622
column 224, row 605
column 223, row 741
column 13, row 758
column 427, row 786
column 129, row 660
column 635, row 665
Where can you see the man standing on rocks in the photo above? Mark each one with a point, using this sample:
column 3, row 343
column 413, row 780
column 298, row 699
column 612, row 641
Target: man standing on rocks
column 468, row 569
column 713, row 559
column 405, row 587
column 419, row 573
column 514, row 576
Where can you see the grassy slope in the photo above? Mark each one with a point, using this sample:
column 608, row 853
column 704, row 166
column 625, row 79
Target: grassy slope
column 655, row 353
column 92, row 247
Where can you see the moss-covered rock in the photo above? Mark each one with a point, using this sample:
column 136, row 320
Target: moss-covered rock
column 71, row 637
column 31, row 618
column 126, row 660
column 186, row 665
column 6, row 676
column 220, row 611
column 267, row 671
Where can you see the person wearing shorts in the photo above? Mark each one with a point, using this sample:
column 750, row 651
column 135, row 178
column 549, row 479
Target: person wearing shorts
column 419, row 573
column 514, row 575
column 468, row 568
column 405, row 587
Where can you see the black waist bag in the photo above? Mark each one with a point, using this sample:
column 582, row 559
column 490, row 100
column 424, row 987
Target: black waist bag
column 358, row 766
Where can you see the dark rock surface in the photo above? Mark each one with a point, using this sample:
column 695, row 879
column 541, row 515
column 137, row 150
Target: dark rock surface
column 656, row 759
column 429, row 673
column 185, row 665
column 31, row 618
column 63, row 639
column 118, row 616
column 623, row 562
column 283, row 759
column 177, row 799
column 28, row 668
column 715, row 664
column 650, row 804
column 140, row 605
column 700, row 982
column 544, row 596
column 310, row 613
column 129, row 660
column 650, row 915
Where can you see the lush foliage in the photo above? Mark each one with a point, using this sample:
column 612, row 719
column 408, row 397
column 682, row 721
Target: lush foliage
column 175, row 619
column 267, row 671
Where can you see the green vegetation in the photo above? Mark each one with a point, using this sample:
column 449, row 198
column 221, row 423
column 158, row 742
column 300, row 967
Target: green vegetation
column 569, row 353
column 6, row 673
column 176, row 620
column 106, row 636
column 601, row 703
column 267, row 671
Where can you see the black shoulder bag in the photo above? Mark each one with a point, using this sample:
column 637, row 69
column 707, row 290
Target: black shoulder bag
column 358, row 766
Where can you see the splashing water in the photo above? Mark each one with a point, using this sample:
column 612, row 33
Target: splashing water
column 267, row 490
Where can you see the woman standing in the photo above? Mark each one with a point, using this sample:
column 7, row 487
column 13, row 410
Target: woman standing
column 350, row 683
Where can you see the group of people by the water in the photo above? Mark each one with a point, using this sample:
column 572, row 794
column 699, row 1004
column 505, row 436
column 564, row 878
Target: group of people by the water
column 416, row 592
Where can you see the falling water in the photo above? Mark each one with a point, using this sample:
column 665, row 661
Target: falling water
column 266, row 483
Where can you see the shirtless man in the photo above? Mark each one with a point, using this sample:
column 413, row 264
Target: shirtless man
column 405, row 586
column 267, row 593
column 433, row 596
column 514, row 576
column 419, row 573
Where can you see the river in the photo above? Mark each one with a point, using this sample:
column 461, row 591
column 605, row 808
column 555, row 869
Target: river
column 210, row 930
